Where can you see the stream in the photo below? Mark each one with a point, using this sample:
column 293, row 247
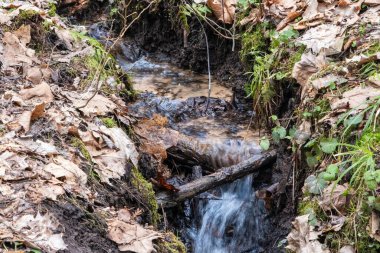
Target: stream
column 229, row 218
column 225, row 219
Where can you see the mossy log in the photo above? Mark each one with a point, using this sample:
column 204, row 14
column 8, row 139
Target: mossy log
column 222, row 176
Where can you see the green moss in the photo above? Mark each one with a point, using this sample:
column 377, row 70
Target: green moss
column 295, row 57
column 101, row 65
column 52, row 10
column 171, row 244
column 26, row 15
column 254, row 43
column 146, row 190
column 76, row 142
column 109, row 122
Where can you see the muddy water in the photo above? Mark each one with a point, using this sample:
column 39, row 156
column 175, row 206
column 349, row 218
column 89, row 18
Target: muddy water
column 227, row 219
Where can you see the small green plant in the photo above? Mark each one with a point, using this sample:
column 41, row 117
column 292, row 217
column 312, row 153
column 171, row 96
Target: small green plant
column 109, row 122
column 52, row 10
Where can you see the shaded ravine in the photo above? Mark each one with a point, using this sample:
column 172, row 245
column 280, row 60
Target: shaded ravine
column 228, row 218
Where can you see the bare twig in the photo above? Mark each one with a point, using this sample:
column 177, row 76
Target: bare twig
column 104, row 62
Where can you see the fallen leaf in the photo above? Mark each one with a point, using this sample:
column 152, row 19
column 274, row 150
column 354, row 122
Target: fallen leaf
column 374, row 226
column 306, row 67
column 224, row 10
column 42, row 91
column 39, row 229
column 24, row 120
column 65, row 37
column 131, row 237
column 97, row 106
column 15, row 51
column 38, row 147
column 325, row 37
column 356, row 98
column 334, row 197
column 347, row 249
column 303, row 239
column 326, row 81
column 34, row 75
column 253, row 18
column 66, row 171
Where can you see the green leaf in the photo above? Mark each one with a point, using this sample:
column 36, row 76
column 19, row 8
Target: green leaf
column 374, row 202
column 370, row 177
column 327, row 176
column 278, row 133
column 377, row 176
column 328, row 145
column 292, row 132
column 311, row 143
column 311, row 160
column 264, row 143
column 332, row 169
column 307, row 114
column 315, row 185
column 274, row 118
column 353, row 120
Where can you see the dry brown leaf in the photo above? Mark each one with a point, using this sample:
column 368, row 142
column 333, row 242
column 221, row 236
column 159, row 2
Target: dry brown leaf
column 334, row 197
column 65, row 37
column 15, row 50
column 27, row 117
column 356, row 98
column 24, row 120
column 303, row 132
column 131, row 237
column 38, row 112
column 223, row 10
column 307, row 66
column 372, row 2
column 335, row 224
column 156, row 139
column 66, row 171
column 34, row 75
column 374, row 226
column 97, row 106
column 253, row 18
column 347, row 249
column 42, row 91
column 325, row 81
column 112, row 162
column 39, row 229
column 326, row 37
column 302, row 238
column 37, row 147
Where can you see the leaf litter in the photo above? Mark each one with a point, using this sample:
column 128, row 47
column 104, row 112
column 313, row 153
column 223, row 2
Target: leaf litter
column 34, row 168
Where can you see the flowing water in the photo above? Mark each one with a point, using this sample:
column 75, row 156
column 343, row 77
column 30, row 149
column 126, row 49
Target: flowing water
column 232, row 220
column 229, row 218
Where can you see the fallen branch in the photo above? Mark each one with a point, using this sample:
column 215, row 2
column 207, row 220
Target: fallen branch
column 222, row 176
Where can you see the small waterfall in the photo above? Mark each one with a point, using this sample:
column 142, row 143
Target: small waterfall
column 232, row 220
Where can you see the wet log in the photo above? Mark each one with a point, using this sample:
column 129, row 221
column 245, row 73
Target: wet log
column 222, row 176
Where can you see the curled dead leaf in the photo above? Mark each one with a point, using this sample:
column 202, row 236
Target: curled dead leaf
column 223, row 10
column 131, row 237
column 303, row 238
column 42, row 91
column 334, row 197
